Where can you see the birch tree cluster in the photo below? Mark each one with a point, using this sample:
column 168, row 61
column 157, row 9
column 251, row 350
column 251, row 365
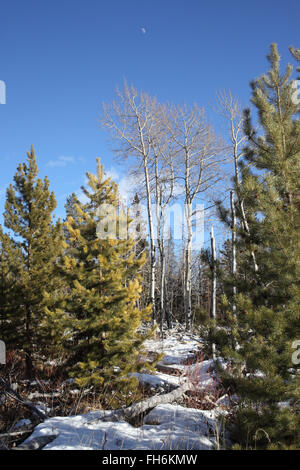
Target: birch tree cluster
column 176, row 157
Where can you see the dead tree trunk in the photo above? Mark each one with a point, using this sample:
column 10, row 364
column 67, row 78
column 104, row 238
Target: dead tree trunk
column 11, row 393
column 144, row 405
column 38, row 443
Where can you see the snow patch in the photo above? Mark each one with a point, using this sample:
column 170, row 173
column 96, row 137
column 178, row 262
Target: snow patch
column 168, row 427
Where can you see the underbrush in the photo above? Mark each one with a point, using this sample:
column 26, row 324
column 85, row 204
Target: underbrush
column 54, row 393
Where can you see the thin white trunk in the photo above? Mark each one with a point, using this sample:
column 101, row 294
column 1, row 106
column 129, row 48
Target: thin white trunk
column 230, row 109
column 213, row 305
column 152, row 241
column 246, row 228
column 162, row 286
column 233, row 248
column 164, row 312
column 188, row 268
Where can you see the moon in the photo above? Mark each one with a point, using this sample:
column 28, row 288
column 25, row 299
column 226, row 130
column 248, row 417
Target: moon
column 143, row 30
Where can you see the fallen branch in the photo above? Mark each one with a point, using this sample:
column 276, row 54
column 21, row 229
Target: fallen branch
column 37, row 443
column 144, row 405
column 116, row 415
column 12, row 394
column 44, row 395
column 168, row 369
column 16, row 433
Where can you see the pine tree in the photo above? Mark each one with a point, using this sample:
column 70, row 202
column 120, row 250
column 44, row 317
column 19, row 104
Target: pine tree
column 10, row 257
column 267, row 316
column 103, row 273
column 29, row 216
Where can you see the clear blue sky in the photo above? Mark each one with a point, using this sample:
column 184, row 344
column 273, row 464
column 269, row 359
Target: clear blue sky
column 61, row 58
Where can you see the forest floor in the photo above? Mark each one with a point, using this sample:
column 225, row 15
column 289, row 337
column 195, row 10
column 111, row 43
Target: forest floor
column 194, row 422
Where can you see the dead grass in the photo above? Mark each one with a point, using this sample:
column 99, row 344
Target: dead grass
column 50, row 387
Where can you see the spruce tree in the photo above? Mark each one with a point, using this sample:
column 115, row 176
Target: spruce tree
column 267, row 318
column 103, row 274
column 38, row 239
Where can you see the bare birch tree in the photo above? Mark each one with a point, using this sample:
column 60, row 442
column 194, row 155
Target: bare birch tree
column 131, row 119
column 213, row 305
column 197, row 170
column 164, row 180
column 229, row 108
column 233, row 247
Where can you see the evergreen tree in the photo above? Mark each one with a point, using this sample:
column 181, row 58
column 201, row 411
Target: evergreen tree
column 29, row 216
column 103, row 273
column 10, row 258
column 70, row 208
column 267, row 316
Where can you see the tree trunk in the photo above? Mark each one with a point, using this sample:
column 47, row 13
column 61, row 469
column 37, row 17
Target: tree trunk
column 28, row 349
column 141, row 407
column 162, row 283
column 188, row 268
column 166, row 306
column 246, row 228
column 233, row 248
column 37, row 443
column 213, row 286
column 152, row 242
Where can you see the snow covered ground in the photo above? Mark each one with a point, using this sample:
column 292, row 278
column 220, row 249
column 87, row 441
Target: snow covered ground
column 178, row 352
column 176, row 349
column 168, row 426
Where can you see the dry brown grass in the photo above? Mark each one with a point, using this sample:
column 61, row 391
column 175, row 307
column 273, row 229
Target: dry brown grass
column 51, row 388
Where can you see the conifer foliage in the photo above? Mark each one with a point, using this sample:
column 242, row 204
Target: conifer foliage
column 9, row 264
column 267, row 318
column 103, row 274
column 29, row 258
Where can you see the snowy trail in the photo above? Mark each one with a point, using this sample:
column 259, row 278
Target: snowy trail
column 178, row 352
column 168, row 427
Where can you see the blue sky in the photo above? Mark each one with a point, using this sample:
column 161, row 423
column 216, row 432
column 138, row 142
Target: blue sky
column 61, row 59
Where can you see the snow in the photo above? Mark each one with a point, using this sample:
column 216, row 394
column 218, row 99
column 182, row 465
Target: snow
column 42, row 407
column 175, row 351
column 168, row 426
column 171, row 427
column 200, row 375
column 158, row 380
column 22, row 423
column 284, row 404
column 67, row 382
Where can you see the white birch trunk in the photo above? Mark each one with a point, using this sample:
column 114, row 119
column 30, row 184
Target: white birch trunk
column 152, row 242
column 246, row 227
column 213, row 305
column 233, row 248
column 188, row 268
